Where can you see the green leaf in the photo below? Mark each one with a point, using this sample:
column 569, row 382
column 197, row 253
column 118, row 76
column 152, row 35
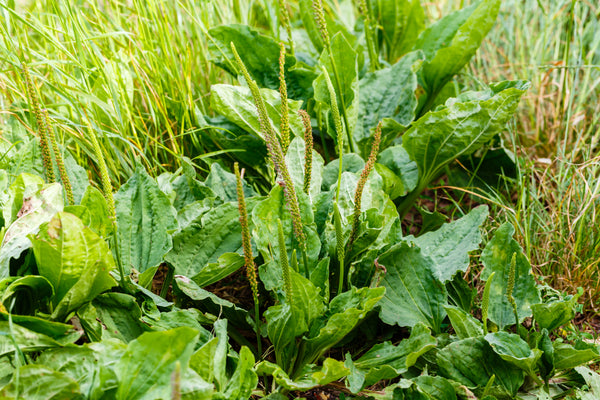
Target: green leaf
column 237, row 105
column 146, row 366
column 35, row 210
column 398, row 161
column 202, row 361
column 144, row 218
column 449, row 246
column 351, row 162
column 223, row 184
column 100, row 221
column 382, row 97
column 26, row 295
column 546, row 362
column 226, row 265
column 90, row 365
column 205, row 300
column 265, row 216
column 513, row 349
column 204, row 241
column 436, row 387
column 346, row 310
column 464, row 324
column 244, row 380
column 190, row 317
column 23, row 187
column 450, row 43
column 496, row 257
column 64, row 333
column 184, row 189
column 28, row 159
column 566, row 356
column 37, row 382
column 460, row 293
column 78, row 176
column 402, row 22
column 592, row 380
column 75, row 260
column 413, row 294
column 210, row 360
column 459, row 128
column 25, row 340
column 284, row 324
column 555, row 313
column 219, row 134
column 386, row 361
column 260, row 55
column 472, row 362
column 310, row 377
column 120, row 316
column 295, row 160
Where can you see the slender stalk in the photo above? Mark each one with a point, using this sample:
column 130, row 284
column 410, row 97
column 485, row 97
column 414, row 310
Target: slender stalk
column 276, row 154
column 339, row 235
column 251, row 273
column 107, row 188
column 284, row 17
column 485, row 302
column 39, row 116
column 339, row 131
column 370, row 37
column 319, row 15
column 284, row 127
column 285, row 265
column 58, row 158
column 361, row 185
column 308, row 150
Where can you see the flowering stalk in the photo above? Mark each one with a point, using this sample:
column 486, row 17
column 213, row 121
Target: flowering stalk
column 59, row 159
column 339, row 129
column 285, row 265
column 361, row 184
column 485, row 302
column 107, row 188
column 308, row 149
column 285, row 21
column 341, row 251
column 248, row 258
column 110, row 201
column 35, row 104
column 284, row 127
column 319, row 15
column 370, row 37
column 276, row 155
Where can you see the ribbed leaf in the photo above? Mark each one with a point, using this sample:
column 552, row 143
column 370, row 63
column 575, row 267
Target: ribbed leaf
column 497, row 257
column 144, row 219
column 413, row 294
column 460, row 128
column 75, row 260
column 146, row 367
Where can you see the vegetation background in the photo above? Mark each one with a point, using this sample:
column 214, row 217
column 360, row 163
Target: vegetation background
column 137, row 76
column 151, row 88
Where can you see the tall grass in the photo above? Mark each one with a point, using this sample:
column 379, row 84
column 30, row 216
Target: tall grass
column 137, row 71
column 556, row 45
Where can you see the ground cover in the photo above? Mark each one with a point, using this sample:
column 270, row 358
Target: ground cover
column 303, row 199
